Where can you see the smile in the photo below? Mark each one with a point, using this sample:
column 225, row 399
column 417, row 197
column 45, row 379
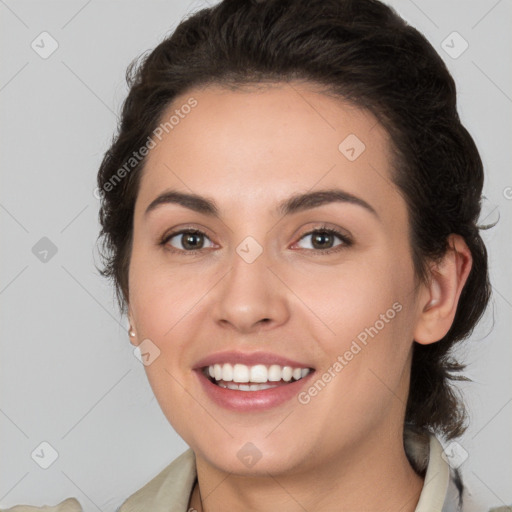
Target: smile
column 252, row 388
column 258, row 377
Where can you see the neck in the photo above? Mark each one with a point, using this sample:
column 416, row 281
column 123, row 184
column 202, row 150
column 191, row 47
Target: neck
column 374, row 476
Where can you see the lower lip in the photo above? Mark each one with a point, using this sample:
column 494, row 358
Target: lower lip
column 246, row 401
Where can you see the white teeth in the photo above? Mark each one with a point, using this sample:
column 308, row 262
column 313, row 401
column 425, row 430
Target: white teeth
column 287, row 373
column 258, row 374
column 240, row 373
column 227, row 372
column 217, row 372
column 246, row 387
column 274, row 373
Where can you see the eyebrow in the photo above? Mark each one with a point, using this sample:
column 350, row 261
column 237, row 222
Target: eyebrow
column 294, row 204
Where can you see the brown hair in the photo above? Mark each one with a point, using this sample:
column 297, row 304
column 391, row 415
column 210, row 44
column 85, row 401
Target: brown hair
column 363, row 52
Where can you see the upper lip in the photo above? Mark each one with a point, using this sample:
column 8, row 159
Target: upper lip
column 249, row 359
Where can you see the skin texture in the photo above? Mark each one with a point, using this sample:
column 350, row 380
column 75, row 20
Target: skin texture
column 248, row 150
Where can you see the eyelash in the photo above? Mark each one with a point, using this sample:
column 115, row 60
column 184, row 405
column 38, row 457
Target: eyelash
column 346, row 241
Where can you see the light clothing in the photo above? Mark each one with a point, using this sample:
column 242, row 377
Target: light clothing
column 170, row 490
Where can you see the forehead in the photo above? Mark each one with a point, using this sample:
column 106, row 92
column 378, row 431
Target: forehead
column 252, row 146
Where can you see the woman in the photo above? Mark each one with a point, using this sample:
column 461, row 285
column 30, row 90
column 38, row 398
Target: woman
column 289, row 217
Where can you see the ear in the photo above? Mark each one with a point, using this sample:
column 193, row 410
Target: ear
column 439, row 299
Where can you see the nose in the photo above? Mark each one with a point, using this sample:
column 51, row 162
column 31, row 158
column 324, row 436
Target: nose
column 250, row 297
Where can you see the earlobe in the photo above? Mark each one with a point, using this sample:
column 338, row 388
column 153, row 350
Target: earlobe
column 131, row 330
column 441, row 295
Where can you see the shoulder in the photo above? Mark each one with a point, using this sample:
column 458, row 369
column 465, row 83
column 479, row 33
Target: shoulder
column 444, row 489
column 168, row 490
column 68, row 505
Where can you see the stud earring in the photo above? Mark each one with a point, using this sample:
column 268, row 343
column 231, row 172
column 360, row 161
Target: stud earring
column 131, row 332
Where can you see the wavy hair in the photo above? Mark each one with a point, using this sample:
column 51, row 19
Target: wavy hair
column 360, row 51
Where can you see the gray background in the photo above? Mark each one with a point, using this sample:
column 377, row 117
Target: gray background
column 68, row 374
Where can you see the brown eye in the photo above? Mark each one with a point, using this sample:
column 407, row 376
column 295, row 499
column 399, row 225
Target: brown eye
column 187, row 240
column 322, row 240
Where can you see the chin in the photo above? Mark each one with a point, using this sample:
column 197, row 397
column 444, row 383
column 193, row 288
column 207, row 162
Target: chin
column 259, row 457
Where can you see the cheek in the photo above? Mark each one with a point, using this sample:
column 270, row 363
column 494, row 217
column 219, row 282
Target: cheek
column 369, row 316
column 162, row 302
column 343, row 302
column 162, row 295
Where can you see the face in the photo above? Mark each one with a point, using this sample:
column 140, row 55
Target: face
column 312, row 300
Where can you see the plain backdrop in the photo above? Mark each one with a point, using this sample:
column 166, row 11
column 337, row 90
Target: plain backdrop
column 68, row 374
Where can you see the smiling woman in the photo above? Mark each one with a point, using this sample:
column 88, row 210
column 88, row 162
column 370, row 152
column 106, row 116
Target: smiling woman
column 301, row 252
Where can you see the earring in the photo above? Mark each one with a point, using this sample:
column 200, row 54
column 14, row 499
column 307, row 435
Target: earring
column 131, row 332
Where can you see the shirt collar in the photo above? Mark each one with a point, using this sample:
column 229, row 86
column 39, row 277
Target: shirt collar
column 437, row 478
